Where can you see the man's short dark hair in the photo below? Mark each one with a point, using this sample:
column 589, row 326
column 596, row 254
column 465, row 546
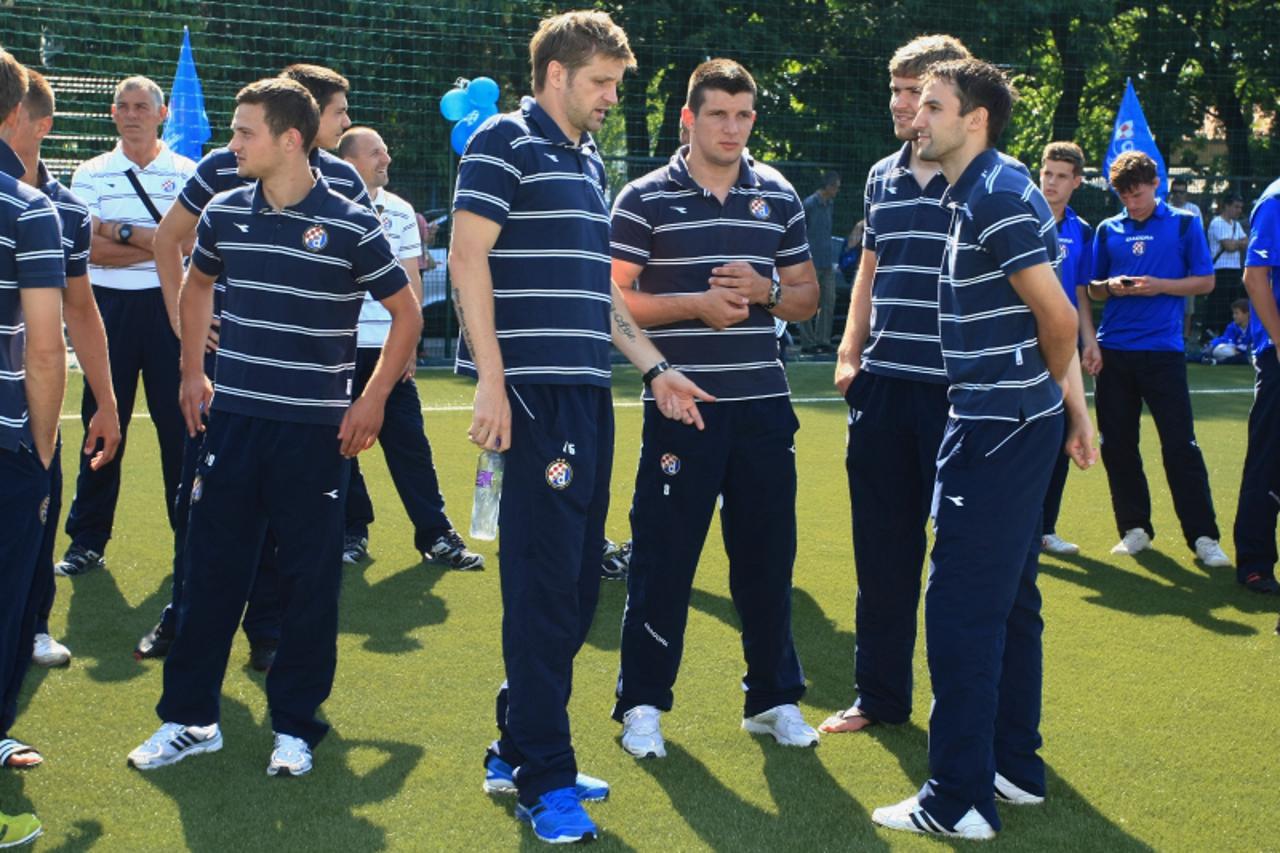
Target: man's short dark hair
column 39, row 101
column 1131, row 169
column 720, row 75
column 830, row 178
column 1065, row 152
column 1177, row 181
column 13, row 83
column 573, row 39
column 323, row 83
column 979, row 84
column 1231, row 198
column 286, row 105
column 914, row 58
column 1240, row 305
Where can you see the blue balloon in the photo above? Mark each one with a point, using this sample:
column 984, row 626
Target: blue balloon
column 486, row 111
column 463, row 131
column 482, row 92
column 454, row 105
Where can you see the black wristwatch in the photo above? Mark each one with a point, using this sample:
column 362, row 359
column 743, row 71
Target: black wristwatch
column 655, row 371
column 775, row 296
column 125, row 232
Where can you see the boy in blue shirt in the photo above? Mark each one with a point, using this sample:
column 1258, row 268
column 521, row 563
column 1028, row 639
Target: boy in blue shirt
column 1146, row 260
column 1009, row 347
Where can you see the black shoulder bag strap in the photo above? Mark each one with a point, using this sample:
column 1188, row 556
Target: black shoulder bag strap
column 142, row 194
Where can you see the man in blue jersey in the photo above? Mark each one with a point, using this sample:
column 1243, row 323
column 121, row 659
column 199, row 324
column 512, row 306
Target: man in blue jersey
column 1255, row 528
column 530, row 265
column 217, row 172
column 889, row 368
column 84, row 327
column 403, row 438
column 1009, row 346
column 127, row 190
column 1145, row 261
column 33, row 373
column 695, row 245
column 297, row 260
column 1061, row 173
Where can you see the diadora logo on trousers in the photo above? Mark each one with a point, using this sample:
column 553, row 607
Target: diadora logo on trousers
column 958, row 500
column 332, row 494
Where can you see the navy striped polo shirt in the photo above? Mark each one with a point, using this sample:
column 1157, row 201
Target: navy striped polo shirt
column 1000, row 224
column 295, row 281
column 30, row 256
column 217, row 172
column 1264, row 251
column 1170, row 243
column 906, row 227
column 679, row 232
column 550, row 266
column 1075, row 243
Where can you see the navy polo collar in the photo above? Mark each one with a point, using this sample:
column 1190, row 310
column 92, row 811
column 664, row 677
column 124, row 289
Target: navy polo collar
column 976, row 171
column 678, row 170
column 538, row 118
column 44, row 180
column 10, row 163
column 310, row 204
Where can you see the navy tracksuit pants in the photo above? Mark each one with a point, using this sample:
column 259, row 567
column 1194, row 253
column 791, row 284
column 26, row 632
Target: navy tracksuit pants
column 555, row 497
column 262, row 616
column 1159, row 379
column 408, row 454
column 747, row 454
column 24, row 506
column 982, row 613
column 140, row 342
column 257, row 474
column 1255, row 529
column 1053, row 497
column 895, row 428
column 45, row 582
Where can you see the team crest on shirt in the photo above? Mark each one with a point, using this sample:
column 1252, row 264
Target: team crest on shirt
column 197, row 488
column 44, row 510
column 169, row 186
column 759, row 208
column 670, row 464
column 315, row 238
column 1139, row 247
column 1066, row 250
column 559, row 474
column 386, row 223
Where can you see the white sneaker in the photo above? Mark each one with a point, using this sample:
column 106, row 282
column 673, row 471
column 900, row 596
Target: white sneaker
column 1007, row 792
column 1209, row 552
column 908, row 816
column 290, row 757
column 642, row 733
column 1134, row 540
column 785, row 723
column 1055, row 544
column 173, row 742
column 49, row 652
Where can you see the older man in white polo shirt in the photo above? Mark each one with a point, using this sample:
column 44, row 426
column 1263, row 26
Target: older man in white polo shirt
column 404, row 442
column 127, row 190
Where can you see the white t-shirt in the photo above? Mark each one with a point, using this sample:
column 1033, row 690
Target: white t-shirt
column 102, row 185
column 1219, row 230
column 401, row 227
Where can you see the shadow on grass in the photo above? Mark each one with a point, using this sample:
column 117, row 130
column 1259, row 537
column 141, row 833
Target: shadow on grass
column 811, row 805
column 606, row 628
column 389, row 611
column 226, row 799
column 103, row 629
column 1158, row 585
column 1066, row 821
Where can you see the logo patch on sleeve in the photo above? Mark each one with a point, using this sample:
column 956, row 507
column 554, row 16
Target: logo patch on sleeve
column 559, row 474
column 315, row 238
column 670, row 464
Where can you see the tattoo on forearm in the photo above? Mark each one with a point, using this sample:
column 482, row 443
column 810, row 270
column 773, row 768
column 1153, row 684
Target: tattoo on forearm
column 624, row 327
column 462, row 323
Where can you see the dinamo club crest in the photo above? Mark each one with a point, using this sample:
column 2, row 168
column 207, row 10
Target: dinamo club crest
column 559, row 474
column 315, row 238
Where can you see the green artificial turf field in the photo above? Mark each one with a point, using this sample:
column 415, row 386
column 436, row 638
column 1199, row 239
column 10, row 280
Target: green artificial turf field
column 1159, row 698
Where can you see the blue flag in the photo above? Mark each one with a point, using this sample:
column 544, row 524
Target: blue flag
column 187, row 128
column 1133, row 134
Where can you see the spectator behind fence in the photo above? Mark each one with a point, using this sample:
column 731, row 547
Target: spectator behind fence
column 819, row 207
column 1178, row 200
column 1235, row 342
column 1145, row 260
column 1227, row 242
column 127, row 190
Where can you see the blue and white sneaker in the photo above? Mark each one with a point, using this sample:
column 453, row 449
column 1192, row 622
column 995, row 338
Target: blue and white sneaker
column 558, row 818
column 499, row 778
column 173, row 742
column 909, row 817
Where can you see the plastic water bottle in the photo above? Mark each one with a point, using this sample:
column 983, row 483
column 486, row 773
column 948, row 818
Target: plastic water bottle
column 484, row 510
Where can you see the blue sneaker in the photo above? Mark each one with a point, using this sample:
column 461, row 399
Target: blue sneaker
column 558, row 818
column 499, row 778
